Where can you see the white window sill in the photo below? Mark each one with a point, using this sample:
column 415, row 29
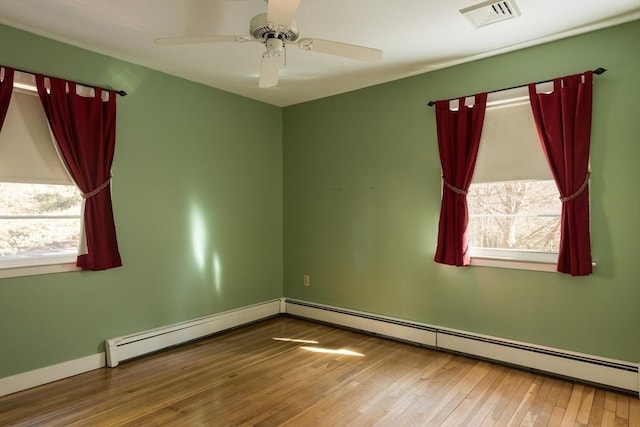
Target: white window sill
column 514, row 259
column 549, row 267
column 34, row 270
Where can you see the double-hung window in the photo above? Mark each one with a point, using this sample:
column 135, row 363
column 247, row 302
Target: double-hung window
column 513, row 201
column 40, row 207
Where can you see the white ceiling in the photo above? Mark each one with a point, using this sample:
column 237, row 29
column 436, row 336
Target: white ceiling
column 416, row 36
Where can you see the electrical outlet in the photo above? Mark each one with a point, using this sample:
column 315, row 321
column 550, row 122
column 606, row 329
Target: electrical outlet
column 306, row 280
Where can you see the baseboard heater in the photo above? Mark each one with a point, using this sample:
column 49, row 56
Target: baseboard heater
column 127, row 347
column 592, row 369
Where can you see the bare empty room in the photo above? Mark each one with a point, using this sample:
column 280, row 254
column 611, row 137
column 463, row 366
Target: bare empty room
column 319, row 213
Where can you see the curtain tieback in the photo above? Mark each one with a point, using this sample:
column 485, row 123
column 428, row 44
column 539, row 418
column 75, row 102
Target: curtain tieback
column 579, row 191
column 98, row 189
column 454, row 189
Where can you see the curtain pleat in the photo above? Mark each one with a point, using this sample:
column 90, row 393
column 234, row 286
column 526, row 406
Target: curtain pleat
column 563, row 121
column 84, row 129
column 458, row 141
column 6, row 89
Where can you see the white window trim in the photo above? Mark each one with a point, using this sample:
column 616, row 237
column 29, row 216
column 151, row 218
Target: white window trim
column 514, row 264
column 514, row 259
column 57, row 264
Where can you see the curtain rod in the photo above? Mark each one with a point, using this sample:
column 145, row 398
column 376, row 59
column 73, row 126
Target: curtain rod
column 119, row 92
column 599, row 70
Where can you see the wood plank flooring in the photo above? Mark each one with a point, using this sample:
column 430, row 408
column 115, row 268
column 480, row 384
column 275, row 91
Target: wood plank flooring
column 248, row 378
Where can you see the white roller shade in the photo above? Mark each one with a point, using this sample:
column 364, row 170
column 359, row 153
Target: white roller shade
column 27, row 151
column 509, row 147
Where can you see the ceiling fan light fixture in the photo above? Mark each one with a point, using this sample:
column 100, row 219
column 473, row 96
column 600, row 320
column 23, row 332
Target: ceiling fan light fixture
column 275, row 47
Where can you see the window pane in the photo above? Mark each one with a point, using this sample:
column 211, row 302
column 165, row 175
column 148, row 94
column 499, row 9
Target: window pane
column 515, row 215
column 38, row 221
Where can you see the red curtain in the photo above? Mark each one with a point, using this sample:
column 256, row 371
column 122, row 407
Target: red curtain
column 84, row 129
column 6, row 89
column 563, row 119
column 458, row 141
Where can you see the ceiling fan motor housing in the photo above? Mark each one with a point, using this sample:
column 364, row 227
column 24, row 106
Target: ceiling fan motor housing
column 262, row 30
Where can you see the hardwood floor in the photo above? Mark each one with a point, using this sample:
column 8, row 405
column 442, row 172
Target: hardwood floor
column 246, row 377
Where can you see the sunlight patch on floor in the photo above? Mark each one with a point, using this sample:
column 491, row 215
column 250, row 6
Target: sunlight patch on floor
column 341, row 351
column 296, row 340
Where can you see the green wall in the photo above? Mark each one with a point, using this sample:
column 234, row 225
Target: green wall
column 197, row 183
column 362, row 197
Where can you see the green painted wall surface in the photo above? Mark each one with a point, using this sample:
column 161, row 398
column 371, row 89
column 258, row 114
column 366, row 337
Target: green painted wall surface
column 197, row 195
column 362, row 198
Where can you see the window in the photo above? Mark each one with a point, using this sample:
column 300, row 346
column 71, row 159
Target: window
column 514, row 206
column 40, row 207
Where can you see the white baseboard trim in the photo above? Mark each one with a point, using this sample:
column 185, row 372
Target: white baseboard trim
column 584, row 367
column 51, row 373
column 130, row 346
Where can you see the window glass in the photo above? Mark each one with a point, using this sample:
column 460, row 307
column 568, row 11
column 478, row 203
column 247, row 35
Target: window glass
column 522, row 215
column 39, row 223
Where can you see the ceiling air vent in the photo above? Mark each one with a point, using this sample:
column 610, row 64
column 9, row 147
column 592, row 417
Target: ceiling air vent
column 490, row 12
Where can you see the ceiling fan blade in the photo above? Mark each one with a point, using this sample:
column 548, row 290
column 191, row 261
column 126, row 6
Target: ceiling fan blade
column 282, row 12
column 346, row 50
column 269, row 70
column 196, row 40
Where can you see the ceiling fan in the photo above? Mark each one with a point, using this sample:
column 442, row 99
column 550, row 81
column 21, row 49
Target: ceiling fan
column 276, row 29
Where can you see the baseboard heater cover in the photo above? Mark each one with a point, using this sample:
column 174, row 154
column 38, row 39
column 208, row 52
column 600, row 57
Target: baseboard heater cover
column 126, row 347
column 379, row 325
column 598, row 370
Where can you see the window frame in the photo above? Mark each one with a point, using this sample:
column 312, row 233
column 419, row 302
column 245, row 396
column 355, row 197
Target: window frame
column 58, row 264
column 513, row 259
